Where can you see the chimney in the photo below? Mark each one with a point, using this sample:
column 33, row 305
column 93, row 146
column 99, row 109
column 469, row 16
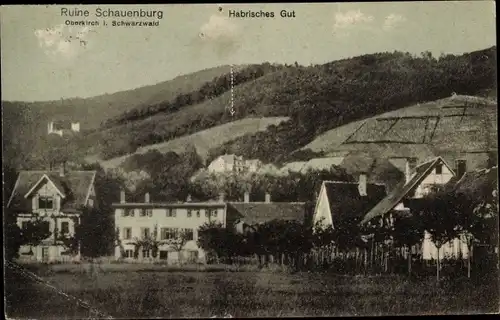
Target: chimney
column 146, row 197
column 188, row 198
column 362, row 185
column 62, row 169
column 246, row 197
column 122, row 196
column 221, row 197
column 268, row 197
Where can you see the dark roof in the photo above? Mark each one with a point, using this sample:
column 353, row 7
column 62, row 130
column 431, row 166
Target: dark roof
column 377, row 170
column 476, row 182
column 403, row 189
column 253, row 213
column 344, row 197
column 75, row 186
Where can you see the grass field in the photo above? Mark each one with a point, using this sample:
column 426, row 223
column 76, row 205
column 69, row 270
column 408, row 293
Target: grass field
column 174, row 294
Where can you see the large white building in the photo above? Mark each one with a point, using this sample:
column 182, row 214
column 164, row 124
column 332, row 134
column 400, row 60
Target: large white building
column 163, row 224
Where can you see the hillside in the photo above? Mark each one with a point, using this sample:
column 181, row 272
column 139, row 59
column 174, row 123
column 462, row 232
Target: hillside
column 341, row 92
column 316, row 99
column 450, row 125
column 203, row 140
column 91, row 112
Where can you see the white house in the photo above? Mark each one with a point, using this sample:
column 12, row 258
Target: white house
column 56, row 198
column 227, row 163
column 420, row 181
column 234, row 163
column 61, row 128
column 163, row 222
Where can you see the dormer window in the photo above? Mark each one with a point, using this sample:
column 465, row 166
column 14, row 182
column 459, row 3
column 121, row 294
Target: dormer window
column 46, row 203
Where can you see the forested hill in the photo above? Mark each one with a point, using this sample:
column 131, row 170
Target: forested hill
column 317, row 98
column 323, row 97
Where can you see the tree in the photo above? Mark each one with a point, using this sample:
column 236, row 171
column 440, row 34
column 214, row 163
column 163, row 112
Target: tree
column 179, row 241
column 478, row 220
column 93, row 234
column 408, row 231
column 34, row 232
column 222, row 242
column 440, row 218
column 13, row 237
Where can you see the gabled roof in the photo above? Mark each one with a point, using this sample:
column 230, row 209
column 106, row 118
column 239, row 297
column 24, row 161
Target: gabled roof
column 476, row 183
column 253, row 213
column 75, row 185
column 403, row 189
column 48, row 178
column 344, row 197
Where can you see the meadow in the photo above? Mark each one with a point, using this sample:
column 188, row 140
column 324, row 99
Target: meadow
column 211, row 292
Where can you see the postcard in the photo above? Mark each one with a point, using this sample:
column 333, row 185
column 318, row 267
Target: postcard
column 250, row 160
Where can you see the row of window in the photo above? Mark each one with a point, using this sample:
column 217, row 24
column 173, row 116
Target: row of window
column 163, row 254
column 46, row 225
column 169, row 213
column 165, row 233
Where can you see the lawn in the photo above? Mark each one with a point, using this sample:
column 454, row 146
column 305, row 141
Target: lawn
column 173, row 294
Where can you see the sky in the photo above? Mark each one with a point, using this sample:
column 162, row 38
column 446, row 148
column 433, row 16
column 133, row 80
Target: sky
column 39, row 64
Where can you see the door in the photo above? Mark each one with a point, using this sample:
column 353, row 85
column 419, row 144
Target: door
column 45, row 254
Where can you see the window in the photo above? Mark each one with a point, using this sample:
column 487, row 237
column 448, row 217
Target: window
column 211, row 213
column 129, row 253
column 46, row 226
column 145, row 233
column 142, row 213
column 439, row 169
column 45, row 203
column 91, row 203
column 163, row 254
column 64, row 227
column 461, row 167
column 189, row 234
column 128, row 212
column 149, row 212
column 171, row 212
column 189, row 213
column 197, row 213
column 145, row 253
column 127, row 233
column 24, row 224
column 168, row 233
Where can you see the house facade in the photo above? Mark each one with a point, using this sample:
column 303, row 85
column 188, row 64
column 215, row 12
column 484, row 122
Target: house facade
column 55, row 200
column 234, row 163
column 60, row 127
column 172, row 226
